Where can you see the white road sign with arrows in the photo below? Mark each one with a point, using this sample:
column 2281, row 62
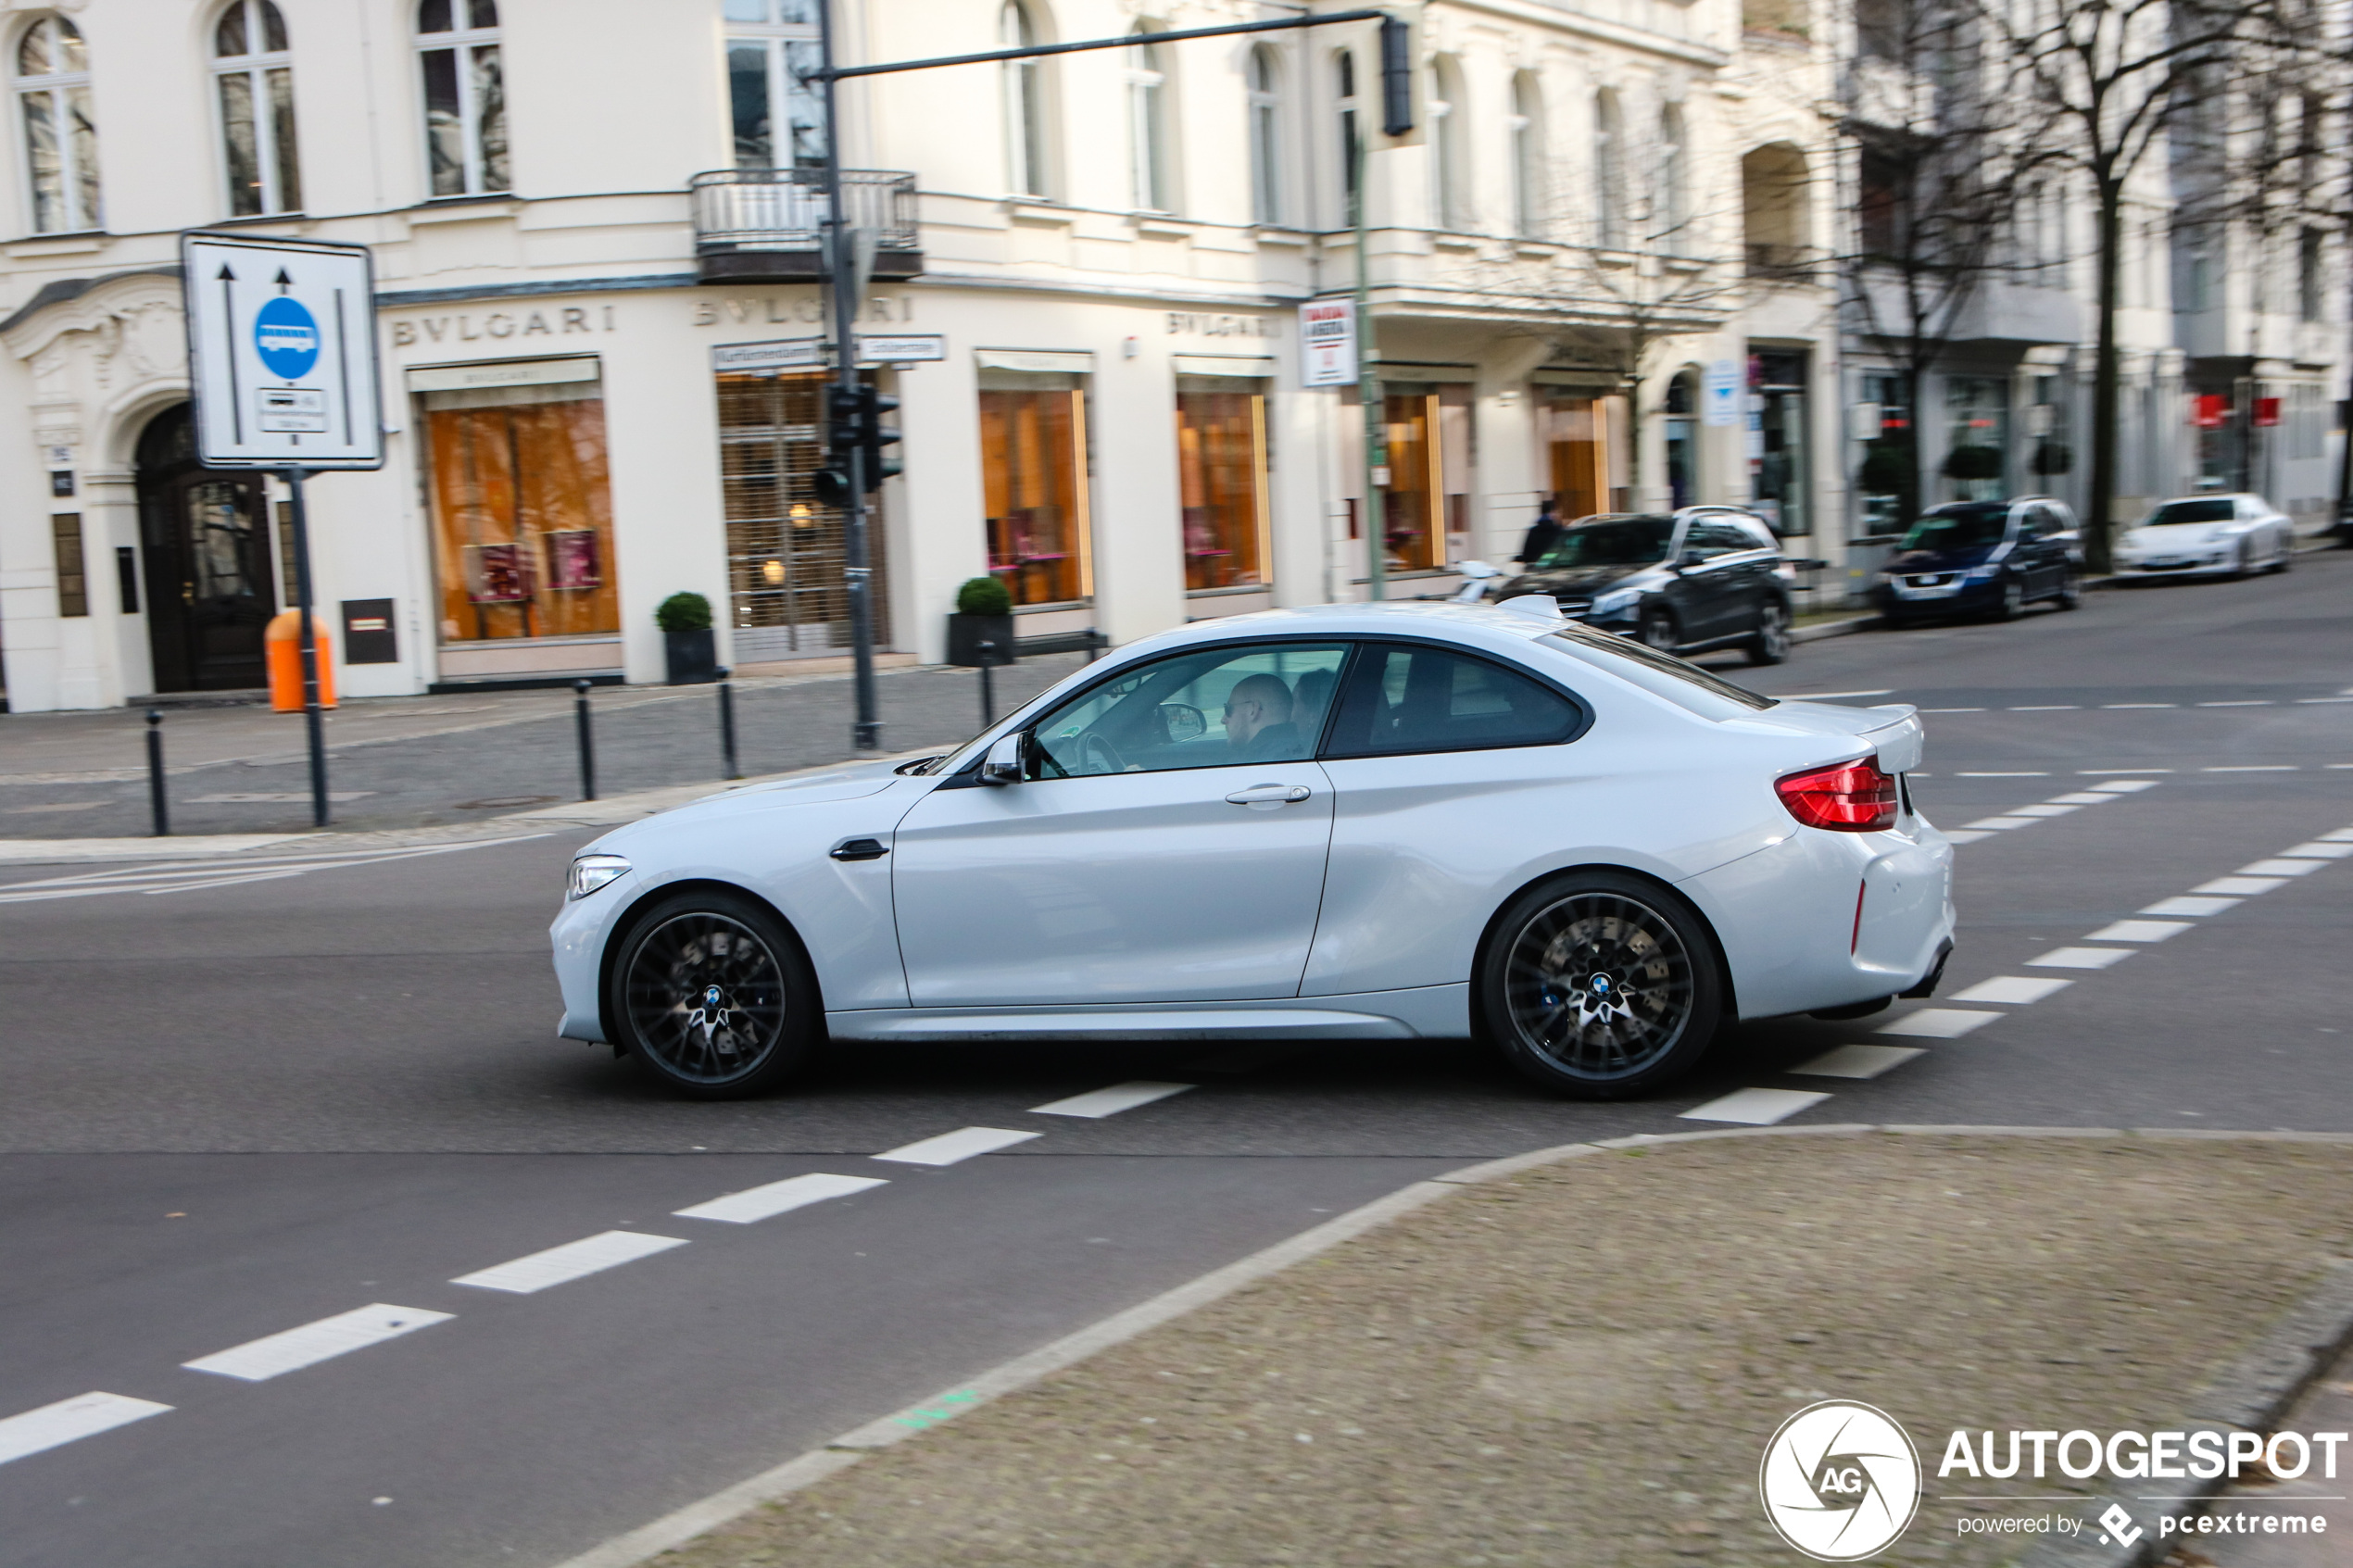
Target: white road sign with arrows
column 281, row 351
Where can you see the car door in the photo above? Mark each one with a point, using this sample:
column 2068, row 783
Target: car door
column 1713, row 586
column 2037, row 558
column 1166, row 843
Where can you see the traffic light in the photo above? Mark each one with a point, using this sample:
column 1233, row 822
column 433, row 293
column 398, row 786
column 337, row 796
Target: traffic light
column 876, row 435
column 1396, row 77
column 854, row 423
column 844, row 408
column 831, row 486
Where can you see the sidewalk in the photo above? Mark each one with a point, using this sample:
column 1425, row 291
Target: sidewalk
column 1582, row 1363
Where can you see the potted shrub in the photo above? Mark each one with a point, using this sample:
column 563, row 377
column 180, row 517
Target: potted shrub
column 1973, row 463
column 983, row 614
column 688, row 646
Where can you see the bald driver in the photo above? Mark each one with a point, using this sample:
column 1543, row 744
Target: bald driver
column 1258, row 721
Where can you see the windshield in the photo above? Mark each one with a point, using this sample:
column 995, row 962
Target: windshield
column 2191, row 511
column 1621, row 541
column 1661, row 674
column 1960, row 529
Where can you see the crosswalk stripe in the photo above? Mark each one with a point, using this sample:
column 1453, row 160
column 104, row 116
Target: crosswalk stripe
column 69, row 1421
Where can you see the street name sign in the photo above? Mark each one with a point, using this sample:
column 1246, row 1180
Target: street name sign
column 281, row 352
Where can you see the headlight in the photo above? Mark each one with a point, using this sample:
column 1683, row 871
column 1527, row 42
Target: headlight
column 1616, row 601
column 1979, row 573
column 591, row 872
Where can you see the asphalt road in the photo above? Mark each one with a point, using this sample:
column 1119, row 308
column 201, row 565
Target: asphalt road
column 235, row 1110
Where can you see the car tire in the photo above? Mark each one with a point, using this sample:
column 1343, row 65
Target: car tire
column 1600, row 986
column 2287, row 558
column 1657, row 628
column 2070, row 592
column 2012, row 602
column 2244, row 565
column 712, row 996
column 1770, row 645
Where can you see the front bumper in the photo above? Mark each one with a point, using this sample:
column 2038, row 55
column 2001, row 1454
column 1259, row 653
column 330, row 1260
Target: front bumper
column 1898, row 596
column 2173, row 566
column 578, row 935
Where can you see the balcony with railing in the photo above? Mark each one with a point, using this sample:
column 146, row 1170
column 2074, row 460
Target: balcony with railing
column 768, row 225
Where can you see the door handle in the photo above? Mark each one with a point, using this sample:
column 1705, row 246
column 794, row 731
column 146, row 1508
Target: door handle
column 859, row 849
column 1270, row 795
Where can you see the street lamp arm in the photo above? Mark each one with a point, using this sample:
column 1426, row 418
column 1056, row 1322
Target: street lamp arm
column 1137, row 40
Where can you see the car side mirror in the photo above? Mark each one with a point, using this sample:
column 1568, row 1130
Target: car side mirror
column 1002, row 765
column 1183, row 721
column 1689, row 558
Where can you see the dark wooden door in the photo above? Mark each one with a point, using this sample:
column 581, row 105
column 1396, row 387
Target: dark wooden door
column 210, row 589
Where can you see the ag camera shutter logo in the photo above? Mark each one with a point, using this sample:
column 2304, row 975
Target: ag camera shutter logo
column 1840, row 1481
column 287, row 337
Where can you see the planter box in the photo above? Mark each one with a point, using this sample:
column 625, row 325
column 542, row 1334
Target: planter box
column 966, row 633
column 692, row 657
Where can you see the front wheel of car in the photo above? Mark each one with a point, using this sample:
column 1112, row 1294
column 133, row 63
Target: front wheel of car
column 712, row 996
column 2243, row 565
column 1658, row 629
column 1770, row 645
column 2071, row 592
column 1600, row 986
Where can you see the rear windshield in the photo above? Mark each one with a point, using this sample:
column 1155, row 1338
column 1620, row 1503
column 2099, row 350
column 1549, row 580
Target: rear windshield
column 1661, row 674
column 1958, row 529
column 2192, row 511
column 1623, row 540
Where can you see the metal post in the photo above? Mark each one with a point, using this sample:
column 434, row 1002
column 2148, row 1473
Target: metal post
column 988, row 652
column 587, row 741
column 313, row 720
column 866, row 734
column 727, row 721
column 1368, row 386
column 155, row 773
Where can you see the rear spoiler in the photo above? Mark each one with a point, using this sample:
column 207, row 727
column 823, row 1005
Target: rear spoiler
column 1898, row 741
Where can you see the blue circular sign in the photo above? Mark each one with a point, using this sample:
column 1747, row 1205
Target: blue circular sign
column 287, row 338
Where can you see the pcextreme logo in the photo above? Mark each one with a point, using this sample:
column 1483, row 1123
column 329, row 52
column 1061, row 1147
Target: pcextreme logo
column 1840, row 1481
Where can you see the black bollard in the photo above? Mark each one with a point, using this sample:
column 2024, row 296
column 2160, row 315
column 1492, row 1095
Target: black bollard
column 987, row 653
column 727, row 723
column 155, row 773
column 588, row 741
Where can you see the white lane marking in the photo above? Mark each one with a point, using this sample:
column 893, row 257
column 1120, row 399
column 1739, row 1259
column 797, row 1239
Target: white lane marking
column 2342, row 836
column 2251, row 702
column 2240, row 886
column 2001, row 775
column 1952, row 710
column 2279, row 868
column 69, row 1421
column 2124, row 787
column 2190, row 906
column 2042, row 810
column 948, row 1148
column 1095, row 1104
column 258, row 1361
column 2324, row 699
column 2139, row 931
column 1824, row 697
column 1997, row 824
column 2083, row 797
column 574, row 1259
column 2015, row 989
column 1755, row 1108
column 2116, row 772
column 2337, row 764
column 2113, row 706
column 1964, row 836
column 2317, row 850
column 1939, row 1024
column 2048, row 707
column 777, row 1197
column 2254, row 768
column 1857, row 1061
column 2079, row 957
column 177, row 878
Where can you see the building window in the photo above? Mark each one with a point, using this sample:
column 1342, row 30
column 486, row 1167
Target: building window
column 1035, row 488
column 1024, row 86
column 1609, row 173
column 770, row 44
column 2310, row 306
column 1675, row 182
column 787, row 551
column 1265, row 136
column 1344, row 86
column 1527, row 155
column 254, row 76
column 74, row 581
column 521, row 507
column 60, row 136
column 1221, row 477
column 465, row 96
column 1148, row 124
column 1450, row 206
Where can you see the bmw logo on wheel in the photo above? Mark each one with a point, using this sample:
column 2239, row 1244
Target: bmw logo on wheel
column 287, row 338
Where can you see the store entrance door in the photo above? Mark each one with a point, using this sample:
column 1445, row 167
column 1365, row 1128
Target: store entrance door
column 787, row 552
column 206, row 542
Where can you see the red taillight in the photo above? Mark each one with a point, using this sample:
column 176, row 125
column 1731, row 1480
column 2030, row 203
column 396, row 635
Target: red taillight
column 1851, row 798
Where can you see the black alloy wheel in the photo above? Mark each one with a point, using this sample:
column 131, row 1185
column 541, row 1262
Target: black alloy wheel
column 1658, row 629
column 1600, row 986
column 712, row 997
column 1770, row 645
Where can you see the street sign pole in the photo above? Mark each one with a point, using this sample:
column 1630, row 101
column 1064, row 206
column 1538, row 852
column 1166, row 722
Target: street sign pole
column 842, row 283
column 313, row 721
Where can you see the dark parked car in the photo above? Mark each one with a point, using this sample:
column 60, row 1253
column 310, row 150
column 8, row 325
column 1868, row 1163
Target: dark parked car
column 1706, row 577
column 1983, row 558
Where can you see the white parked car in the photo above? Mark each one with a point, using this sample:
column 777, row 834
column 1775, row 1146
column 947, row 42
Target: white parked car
column 2194, row 536
column 1340, row 823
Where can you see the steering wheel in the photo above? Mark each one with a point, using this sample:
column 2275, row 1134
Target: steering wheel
column 1096, row 755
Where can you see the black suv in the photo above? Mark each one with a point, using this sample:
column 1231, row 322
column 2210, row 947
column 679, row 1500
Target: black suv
column 1706, row 577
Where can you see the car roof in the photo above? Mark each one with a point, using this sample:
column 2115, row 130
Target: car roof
column 1472, row 625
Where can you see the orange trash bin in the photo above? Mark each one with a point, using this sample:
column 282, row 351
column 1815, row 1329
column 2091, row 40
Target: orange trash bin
column 283, row 643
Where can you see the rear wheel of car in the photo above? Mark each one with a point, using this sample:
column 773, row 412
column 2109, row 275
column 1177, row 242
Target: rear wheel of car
column 711, row 993
column 1600, row 986
column 1658, row 628
column 2287, row 558
column 2012, row 603
column 2244, row 564
column 1770, row 646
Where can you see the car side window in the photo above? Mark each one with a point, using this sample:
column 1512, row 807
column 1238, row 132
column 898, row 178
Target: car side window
column 1217, row 707
column 1407, row 698
column 2032, row 523
column 1713, row 539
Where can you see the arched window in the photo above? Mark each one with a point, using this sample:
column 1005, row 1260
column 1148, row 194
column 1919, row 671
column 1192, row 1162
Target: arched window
column 1148, row 124
column 1527, row 155
column 1265, row 136
column 769, row 44
column 60, row 137
column 1674, row 181
column 1450, row 198
column 1344, row 90
column 465, row 96
column 254, row 76
column 1609, row 173
column 1024, row 107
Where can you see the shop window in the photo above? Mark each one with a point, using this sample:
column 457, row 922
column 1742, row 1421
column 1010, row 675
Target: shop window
column 1413, row 509
column 1584, row 441
column 770, row 44
column 60, row 135
column 253, row 76
column 1034, row 485
column 465, row 96
column 522, row 511
column 1221, row 474
column 787, row 552
column 1977, row 417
